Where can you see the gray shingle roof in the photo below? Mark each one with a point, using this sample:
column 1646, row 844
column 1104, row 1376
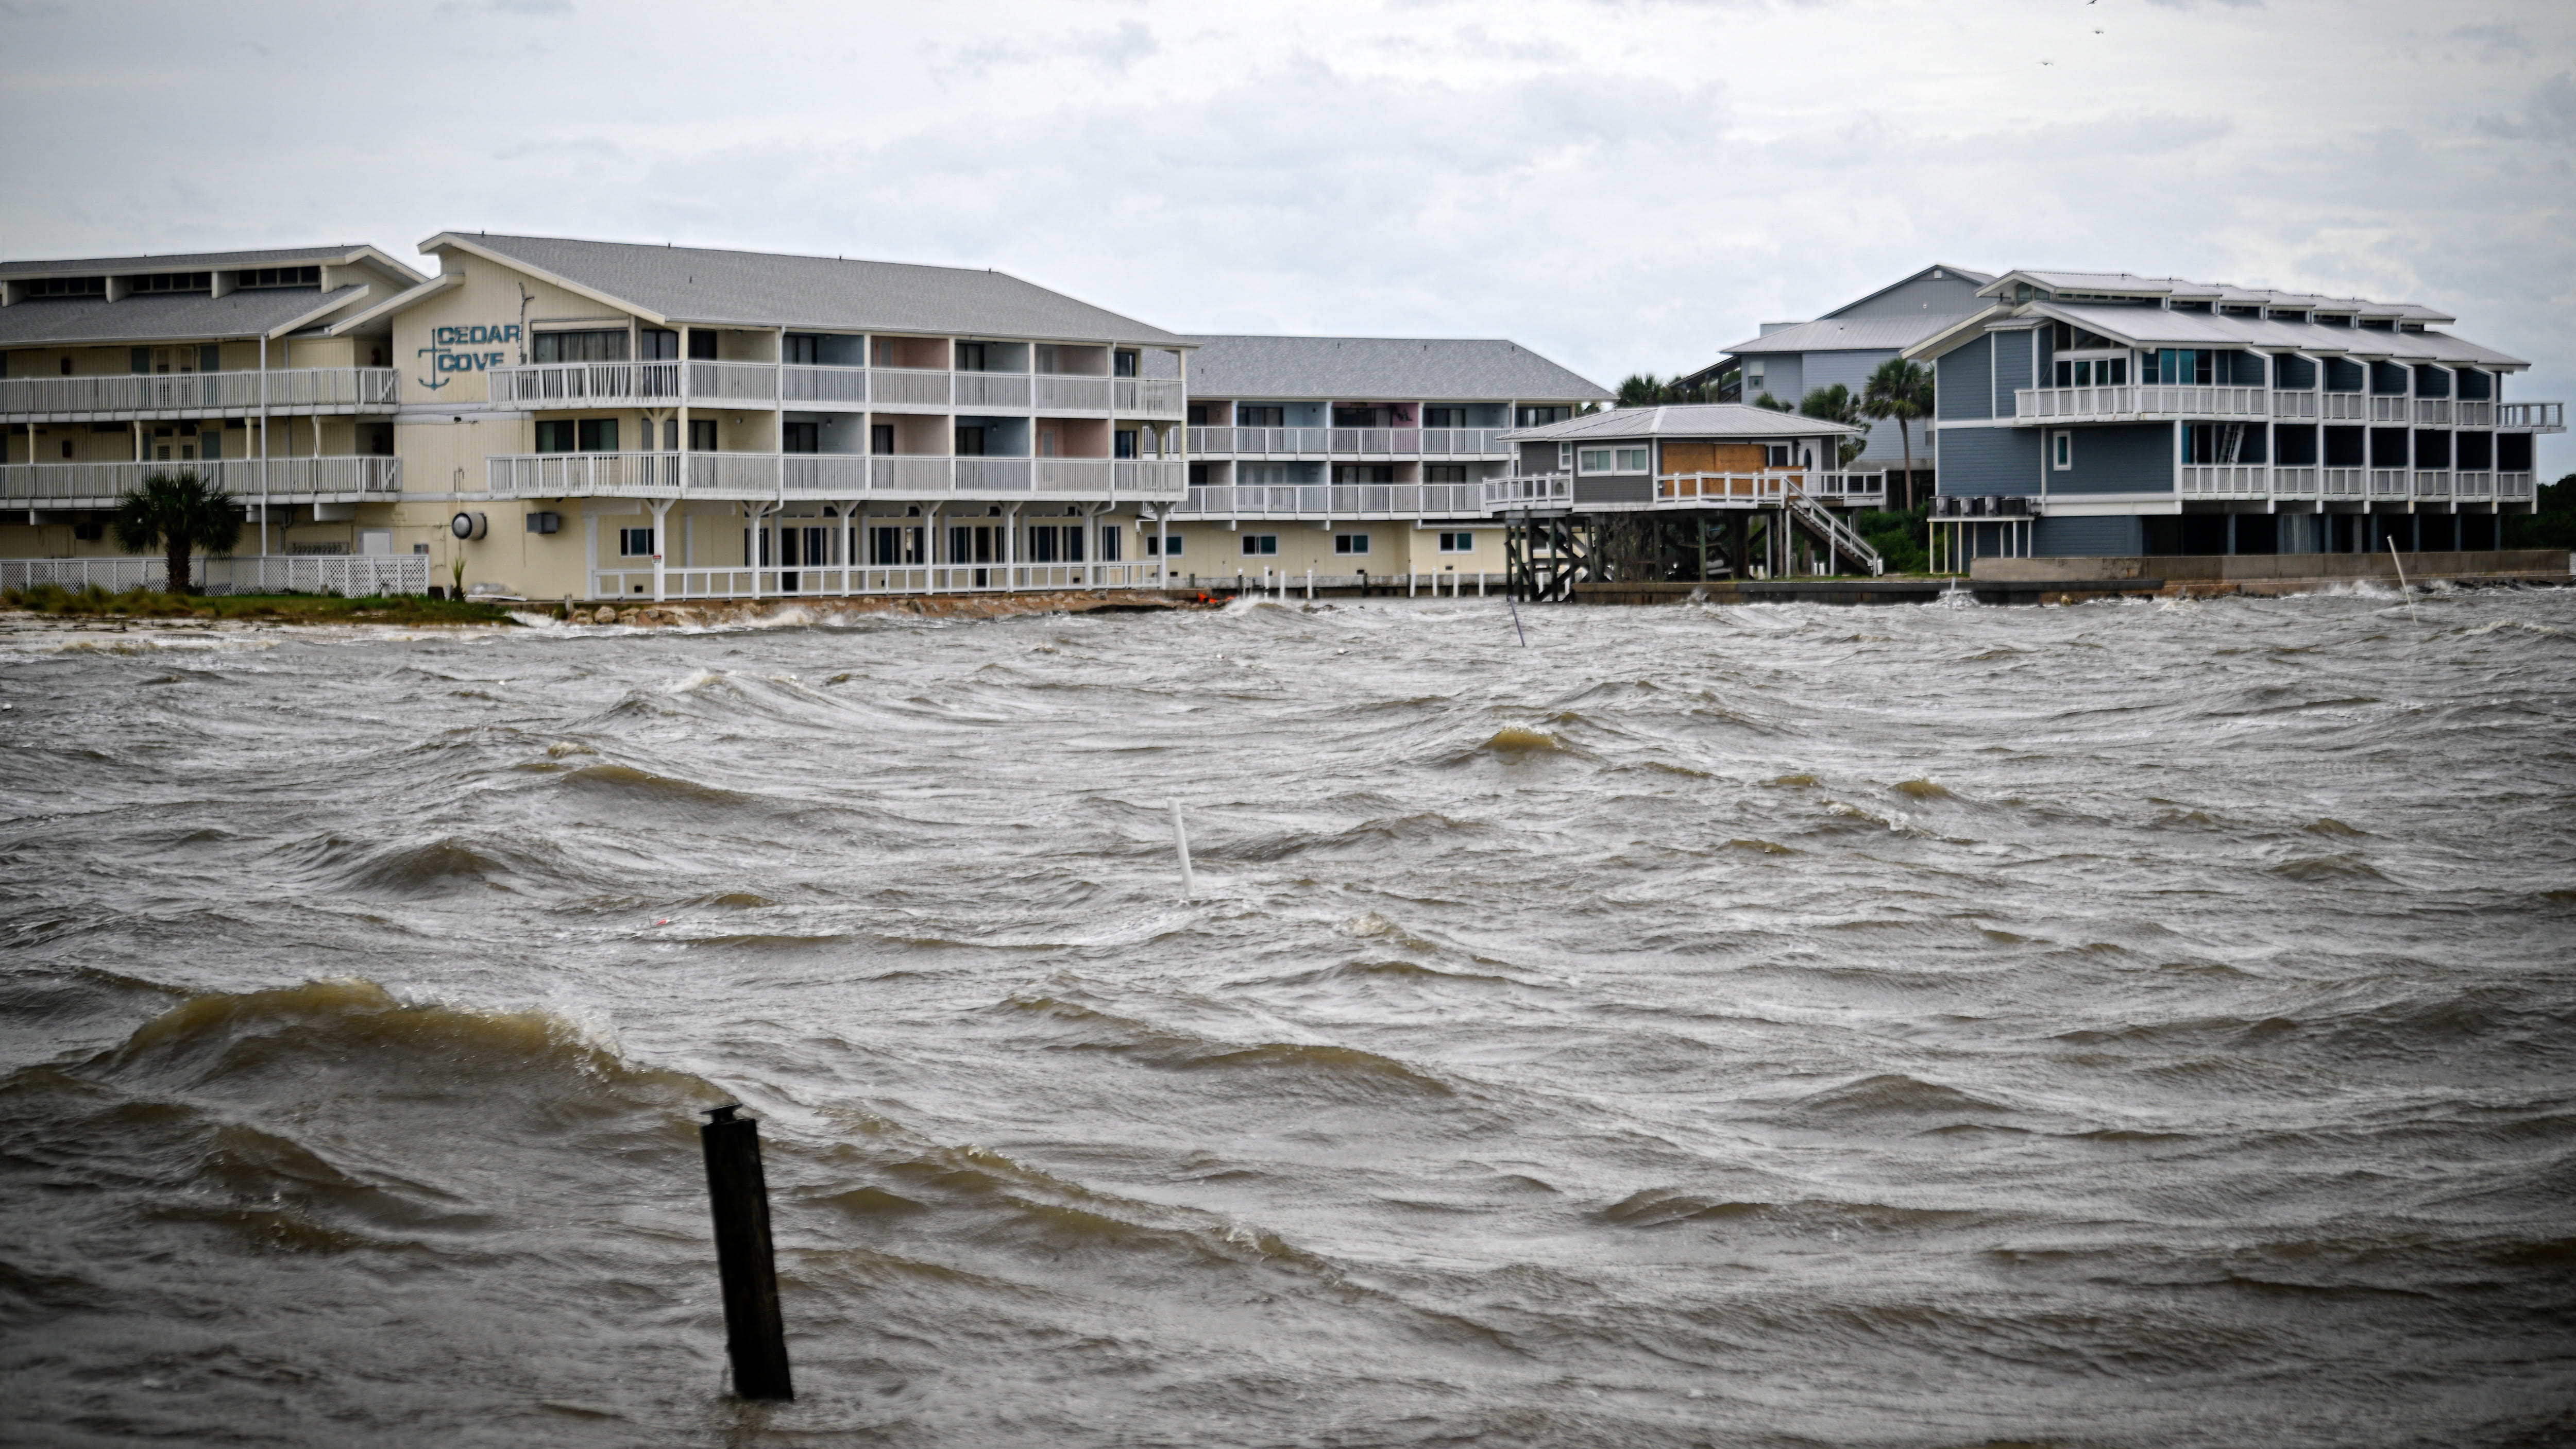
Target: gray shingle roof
column 764, row 289
column 191, row 261
column 2156, row 327
column 164, row 317
column 1683, row 420
column 1380, row 369
column 1857, row 334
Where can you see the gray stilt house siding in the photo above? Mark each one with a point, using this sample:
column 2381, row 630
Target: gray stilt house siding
column 2154, row 415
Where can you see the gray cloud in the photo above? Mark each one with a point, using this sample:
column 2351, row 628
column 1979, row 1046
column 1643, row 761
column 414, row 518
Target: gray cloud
column 2550, row 114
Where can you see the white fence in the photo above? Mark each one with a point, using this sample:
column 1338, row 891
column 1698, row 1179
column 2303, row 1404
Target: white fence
column 350, row 575
column 248, row 480
column 1357, row 442
column 176, row 394
column 836, row 581
column 2142, row 401
column 1333, row 500
column 822, row 475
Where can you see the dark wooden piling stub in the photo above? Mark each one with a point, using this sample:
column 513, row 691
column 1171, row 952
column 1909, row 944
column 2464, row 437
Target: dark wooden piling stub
column 738, row 1194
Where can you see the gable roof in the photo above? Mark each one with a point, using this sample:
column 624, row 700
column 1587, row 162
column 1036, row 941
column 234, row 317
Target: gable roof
column 2154, row 327
column 2129, row 284
column 168, row 317
column 708, row 287
column 1683, row 420
column 1943, row 270
column 207, row 261
column 1394, row 369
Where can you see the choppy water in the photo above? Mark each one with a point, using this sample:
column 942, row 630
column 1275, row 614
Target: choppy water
column 2126, row 1024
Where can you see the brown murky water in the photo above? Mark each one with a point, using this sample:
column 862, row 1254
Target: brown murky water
column 2128, row 1024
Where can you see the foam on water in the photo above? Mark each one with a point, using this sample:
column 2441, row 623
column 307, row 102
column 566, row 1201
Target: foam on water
column 2121, row 1023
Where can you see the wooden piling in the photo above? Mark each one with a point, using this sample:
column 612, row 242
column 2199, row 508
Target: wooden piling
column 738, row 1195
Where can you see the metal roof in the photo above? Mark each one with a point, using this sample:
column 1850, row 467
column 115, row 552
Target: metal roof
column 167, row 316
column 764, row 289
column 1946, row 270
column 1392, row 369
column 204, row 261
column 1857, row 334
column 2157, row 327
column 1683, row 420
column 2130, row 284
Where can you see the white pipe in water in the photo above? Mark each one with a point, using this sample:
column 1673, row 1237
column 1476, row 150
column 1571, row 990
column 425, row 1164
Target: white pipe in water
column 1181, row 842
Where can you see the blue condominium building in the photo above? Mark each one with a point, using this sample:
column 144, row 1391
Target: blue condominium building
column 2093, row 413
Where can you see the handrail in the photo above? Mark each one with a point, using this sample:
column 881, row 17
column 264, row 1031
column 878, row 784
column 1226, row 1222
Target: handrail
column 822, row 475
column 246, row 479
column 177, row 392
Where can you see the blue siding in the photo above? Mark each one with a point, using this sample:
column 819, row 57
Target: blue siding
column 2118, row 537
column 2118, row 458
column 1784, row 377
column 1961, row 380
column 2012, row 369
column 1990, row 460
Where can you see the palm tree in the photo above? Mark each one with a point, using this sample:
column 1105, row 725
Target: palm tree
column 177, row 513
column 1836, row 404
column 1901, row 390
column 1645, row 390
column 1766, row 400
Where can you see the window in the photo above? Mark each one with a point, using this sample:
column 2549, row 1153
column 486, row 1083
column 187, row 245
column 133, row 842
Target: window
column 1042, row 543
column 594, row 346
column 1122, row 364
column 1596, row 460
column 67, row 287
column 1257, row 475
column 702, row 344
column 801, row 437
column 970, row 442
column 970, row 357
column 176, row 282
column 1109, row 543
column 891, row 547
column 1249, row 416
column 1073, row 542
column 658, row 344
column 598, row 435
column 1457, row 543
column 2179, row 365
column 1444, row 417
column 1539, row 417
column 1631, row 460
column 1350, row 543
column 2093, row 372
column 1776, row 456
column 804, row 349
column 635, row 542
column 702, row 435
column 1123, row 444
column 555, row 437
column 1364, row 472
column 1564, row 457
column 1260, row 543
column 1169, row 545
column 2061, row 450
column 881, row 438
column 279, row 277
column 1198, row 415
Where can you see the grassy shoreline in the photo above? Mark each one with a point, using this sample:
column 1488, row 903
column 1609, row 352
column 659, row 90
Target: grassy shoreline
column 55, row 601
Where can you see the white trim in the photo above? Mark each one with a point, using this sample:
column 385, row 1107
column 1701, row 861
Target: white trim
column 2108, row 505
column 397, row 302
column 461, row 243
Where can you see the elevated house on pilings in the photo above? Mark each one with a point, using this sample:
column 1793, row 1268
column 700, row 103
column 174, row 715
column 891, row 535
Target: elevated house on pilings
column 1681, row 494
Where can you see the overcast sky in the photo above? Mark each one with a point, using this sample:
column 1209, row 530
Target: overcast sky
column 1621, row 184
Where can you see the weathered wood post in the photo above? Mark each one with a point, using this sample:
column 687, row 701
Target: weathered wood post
column 738, row 1194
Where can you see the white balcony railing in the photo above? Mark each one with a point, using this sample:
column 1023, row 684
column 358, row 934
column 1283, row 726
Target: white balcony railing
column 910, row 386
column 770, row 581
column 2433, row 412
column 2512, row 486
column 2547, row 417
column 2342, row 483
column 645, row 384
column 2432, row 483
column 2350, row 407
column 357, row 576
column 1059, row 392
column 993, row 390
column 1354, row 442
column 177, row 394
column 1334, row 500
column 2391, row 409
column 2473, row 484
column 2389, row 482
column 1150, row 397
column 1528, row 490
column 2140, row 401
column 2475, row 414
column 2294, row 481
column 2225, row 480
column 2294, row 405
column 819, row 475
column 97, row 485
column 824, row 386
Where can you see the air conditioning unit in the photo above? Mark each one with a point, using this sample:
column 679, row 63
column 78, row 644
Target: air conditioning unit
column 469, row 526
column 544, row 522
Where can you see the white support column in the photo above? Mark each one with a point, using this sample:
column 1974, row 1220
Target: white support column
column 1163, row 535
column 661, row 543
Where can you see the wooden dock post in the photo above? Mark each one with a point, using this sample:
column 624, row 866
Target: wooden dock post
column 738, row 1194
